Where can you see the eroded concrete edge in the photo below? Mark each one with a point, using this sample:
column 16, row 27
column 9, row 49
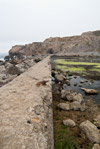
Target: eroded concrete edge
column 26, row 115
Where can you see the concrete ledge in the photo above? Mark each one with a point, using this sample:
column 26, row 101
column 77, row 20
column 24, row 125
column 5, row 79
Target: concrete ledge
column 26, row 118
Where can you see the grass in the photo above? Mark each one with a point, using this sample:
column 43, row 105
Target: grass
column 62, row 141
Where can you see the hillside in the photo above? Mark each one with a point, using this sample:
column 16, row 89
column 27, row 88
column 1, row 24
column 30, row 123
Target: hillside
column 87, row 42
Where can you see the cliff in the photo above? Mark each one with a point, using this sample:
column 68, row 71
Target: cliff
column 87, row 42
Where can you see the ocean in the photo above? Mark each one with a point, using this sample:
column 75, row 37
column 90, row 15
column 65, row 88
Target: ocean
column 2, row 55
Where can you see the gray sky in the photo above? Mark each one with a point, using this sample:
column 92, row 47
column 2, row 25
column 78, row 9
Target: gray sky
column 26, row 21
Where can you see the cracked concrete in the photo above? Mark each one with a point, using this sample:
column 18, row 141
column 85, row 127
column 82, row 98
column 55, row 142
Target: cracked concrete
column 26, row 118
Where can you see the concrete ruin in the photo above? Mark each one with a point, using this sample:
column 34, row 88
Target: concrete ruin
column 26, row 117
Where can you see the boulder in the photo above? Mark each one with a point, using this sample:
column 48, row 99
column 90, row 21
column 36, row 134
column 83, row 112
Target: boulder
column 97, row 121
column 76, row 106
column 96, row 146
column 68, row 82
column 75, row 97
column 64, row 93
column 59, row 77
column 91, row 131
column 13, row 70
column 89, row 91
column 69, row 123
column 71, row 96
column 82, row 81
column 64, row 106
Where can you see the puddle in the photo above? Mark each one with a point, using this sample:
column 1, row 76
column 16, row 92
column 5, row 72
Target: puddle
column 76, row 85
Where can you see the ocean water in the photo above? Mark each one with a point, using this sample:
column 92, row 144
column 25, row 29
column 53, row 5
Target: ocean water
column 2, row 55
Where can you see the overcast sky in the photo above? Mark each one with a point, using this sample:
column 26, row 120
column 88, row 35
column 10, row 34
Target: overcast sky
column 26, row 21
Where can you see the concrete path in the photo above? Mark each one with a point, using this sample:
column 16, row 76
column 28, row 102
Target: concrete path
column 26, row 110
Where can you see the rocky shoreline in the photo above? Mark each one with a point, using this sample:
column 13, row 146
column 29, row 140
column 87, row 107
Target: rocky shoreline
column 13, row 67
column 79, row 119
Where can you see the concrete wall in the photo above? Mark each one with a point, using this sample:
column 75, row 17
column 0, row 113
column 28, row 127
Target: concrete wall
column 26, row 120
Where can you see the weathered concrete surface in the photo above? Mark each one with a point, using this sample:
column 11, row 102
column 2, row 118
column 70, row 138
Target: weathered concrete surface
column 26, row 110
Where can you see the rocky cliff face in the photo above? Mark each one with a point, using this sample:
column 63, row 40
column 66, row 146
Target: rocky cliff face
column 87, row 42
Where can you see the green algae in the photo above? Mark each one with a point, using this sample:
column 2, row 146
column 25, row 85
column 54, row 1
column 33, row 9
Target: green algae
column 64, row 62
column 76, row 66
column 71, row 69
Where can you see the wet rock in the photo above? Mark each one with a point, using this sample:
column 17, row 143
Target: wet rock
column 97, row 121
column 69, row 122
column 76, row 106
column 59, row 77
column 64, row 106
column 69, row 74
column 89, row 91
column 75, row 97
column 75, row 84
column 96, row 146
column 64, row 93
column 75, row 77
column 91, row 131
column 71, row 96
column 82, row 81
column 53, row 73
column 68, row 82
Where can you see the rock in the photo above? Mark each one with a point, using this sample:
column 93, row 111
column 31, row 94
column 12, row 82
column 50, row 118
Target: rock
column 64, row 93
column 69, row 74
column 90, row 91
column 96, row 146
column 75, row 77
column 68, row 82
column 75, row 97
column 13, row 70
column 69, row 122
column 91, row 131
column 71, row 96
column 8, row 65
column 97, row 121
column 77, row 106
column 59, row 77
column 82, row 81
column 64, row 106
column 75, row 84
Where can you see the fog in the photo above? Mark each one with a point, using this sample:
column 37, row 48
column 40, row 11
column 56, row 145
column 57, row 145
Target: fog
column 26, row 21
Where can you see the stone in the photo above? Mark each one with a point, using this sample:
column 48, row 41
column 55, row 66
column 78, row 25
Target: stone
column 96, row 146
column 82, row 81
column 71, row 96
column 91, row 131
column 76, row 106
column 59, row 77
column 97, row 121
column 68, row 82
column 75, row 97
column 89, row 91
column 64, row 93
column 75, row 84
column 64, row 106
column 69, row 122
